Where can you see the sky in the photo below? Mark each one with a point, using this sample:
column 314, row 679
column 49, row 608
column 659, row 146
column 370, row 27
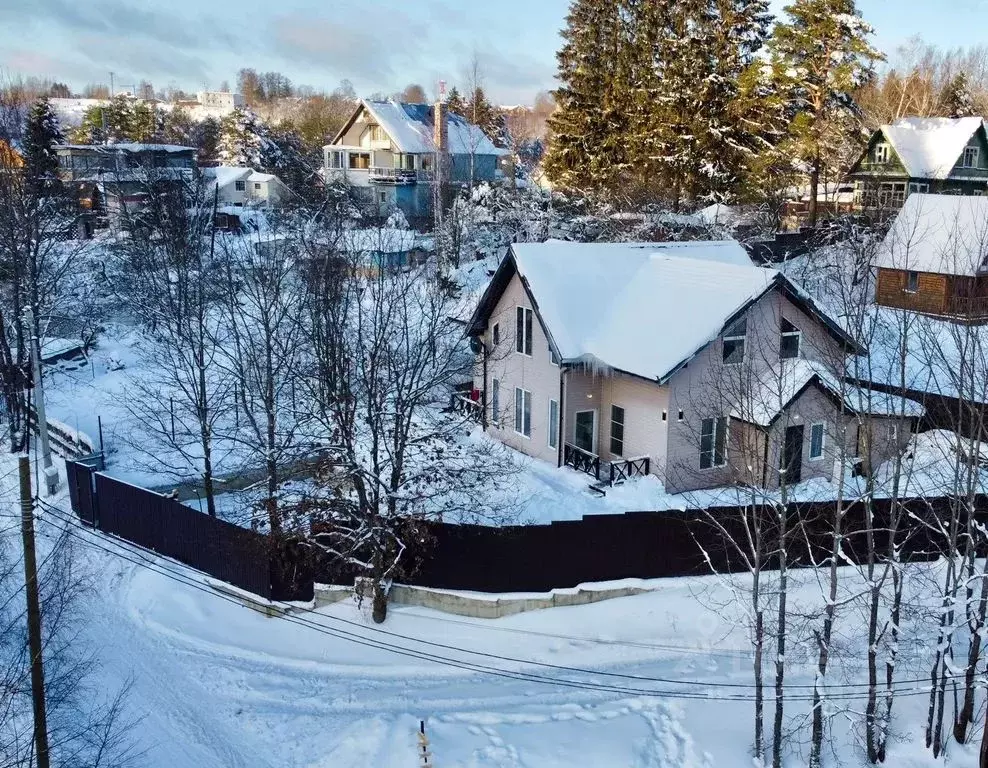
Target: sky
column 379, row 45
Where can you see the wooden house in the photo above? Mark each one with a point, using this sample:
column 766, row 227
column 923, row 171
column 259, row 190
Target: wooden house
column 935, row 155
column 934, row 259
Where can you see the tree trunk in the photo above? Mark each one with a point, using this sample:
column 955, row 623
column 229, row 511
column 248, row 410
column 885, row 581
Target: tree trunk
column 379, row 611
column 780, row 657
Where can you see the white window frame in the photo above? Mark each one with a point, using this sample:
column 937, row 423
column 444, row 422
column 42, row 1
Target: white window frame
column 716, row 421
column 496, row 334
column 553, row 424
column 496, row 402
column 823, row 441
column 257, row 186
column 524, row 331
column 336, row 160
column 523, row 412
column 593, row 436
column 918, row 187
column 799, row 341
column 742, row 337
column 975, row 157
column 610, row 434
column 883, row 152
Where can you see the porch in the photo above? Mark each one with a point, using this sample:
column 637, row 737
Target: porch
column 603, row 471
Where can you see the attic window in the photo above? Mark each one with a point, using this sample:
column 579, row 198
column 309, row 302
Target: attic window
column 789, row 342
column 882, row 154
column 377, row 133
column 971, row 157
column 241, row 185
column 734, row 338
column 523, row 331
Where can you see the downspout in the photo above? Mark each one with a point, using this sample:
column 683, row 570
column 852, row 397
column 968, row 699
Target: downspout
column 483, row 395
column 767, row 434
column 562, row 418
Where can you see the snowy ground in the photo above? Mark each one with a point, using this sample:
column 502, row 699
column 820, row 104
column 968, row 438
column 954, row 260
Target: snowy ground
column 637, row 682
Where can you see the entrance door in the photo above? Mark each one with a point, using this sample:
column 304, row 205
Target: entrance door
column 792, row 455
column 584, row 436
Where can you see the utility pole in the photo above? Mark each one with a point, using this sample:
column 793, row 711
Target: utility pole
column 33, row 614
column 51, row 474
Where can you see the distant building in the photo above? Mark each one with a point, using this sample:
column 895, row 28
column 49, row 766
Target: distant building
column 937, row 155
column 389, row 150
column 934, row 259
column 114, row 180
column 221, row 100
column 239, row 187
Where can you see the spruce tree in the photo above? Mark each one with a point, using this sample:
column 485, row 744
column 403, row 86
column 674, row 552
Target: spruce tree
column 243, row 139
column 455, row 103
column 41, row 135
column 822, row 55
column 957, row 100
column 589, row 129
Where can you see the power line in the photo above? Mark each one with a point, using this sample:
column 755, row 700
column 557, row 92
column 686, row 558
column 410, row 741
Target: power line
column 180, row 578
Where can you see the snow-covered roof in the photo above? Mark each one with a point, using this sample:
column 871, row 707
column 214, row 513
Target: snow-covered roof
column 929, row 147
column 128, row 147
column 783, row 384
column 642, row 309
column 224, row 175
column 411, row 127
column 946, row 234
column 382, row 240
column 724, row 251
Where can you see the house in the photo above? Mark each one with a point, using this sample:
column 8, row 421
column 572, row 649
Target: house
column 239, row 187
column 113, row 180
column 389, row 151
column 382, row 249
column 682, row 360
column 934, row 258
column 938, row 155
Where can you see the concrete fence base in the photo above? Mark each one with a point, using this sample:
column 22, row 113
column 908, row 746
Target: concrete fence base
column 480, row 606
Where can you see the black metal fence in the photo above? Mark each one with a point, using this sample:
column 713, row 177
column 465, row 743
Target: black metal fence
column 227, row 552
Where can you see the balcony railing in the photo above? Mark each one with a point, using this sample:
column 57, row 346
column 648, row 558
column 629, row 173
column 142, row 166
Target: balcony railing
column 398, row 175
column 974, row 307
column 629, row 468
column 467, row 406
column 581, row 460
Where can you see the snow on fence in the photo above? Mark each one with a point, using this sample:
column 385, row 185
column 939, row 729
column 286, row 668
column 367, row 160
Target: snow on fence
column 65, row 441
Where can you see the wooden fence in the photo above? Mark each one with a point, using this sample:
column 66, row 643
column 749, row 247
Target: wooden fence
column 227, row 552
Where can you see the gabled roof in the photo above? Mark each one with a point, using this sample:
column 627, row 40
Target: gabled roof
column 411, row 127
column 224, row 175
column 645, row 309
column 784, row 384
column 946, row 234
column 129, row 147
column 929, row 147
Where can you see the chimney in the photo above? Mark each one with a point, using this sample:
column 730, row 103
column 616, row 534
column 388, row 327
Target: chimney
column 440, row 130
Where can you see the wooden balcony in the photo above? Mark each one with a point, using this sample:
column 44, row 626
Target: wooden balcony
column 472, row 409
column 398, row 176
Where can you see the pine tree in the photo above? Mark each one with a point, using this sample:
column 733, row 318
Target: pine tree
column 822, row 55
column 589, row 141
column 957, row 100
column 483, row 114
column 243, row 139
column 455, row 103
column 42, row 133
column 692, row 136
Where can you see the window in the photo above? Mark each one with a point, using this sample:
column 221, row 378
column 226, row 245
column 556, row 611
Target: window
column 713, row 443
column 891, row 193
column 790, row 341
column 240, row 185
column 912, row 282
column 734, row 342
column 496, row 402
column 665, row 415
column 916, row 186
column 971, row 157
column 496, row 334
column 360, row 161
column 377, row 133
column 523, row 412
column 816, row 441
column 617, row 430
column 336, row 160
column 553, row 424
column 382, row 197
column 893, row 434
column 257, row 186
column 523, row 331
column 682, row 416
column 882, row 154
